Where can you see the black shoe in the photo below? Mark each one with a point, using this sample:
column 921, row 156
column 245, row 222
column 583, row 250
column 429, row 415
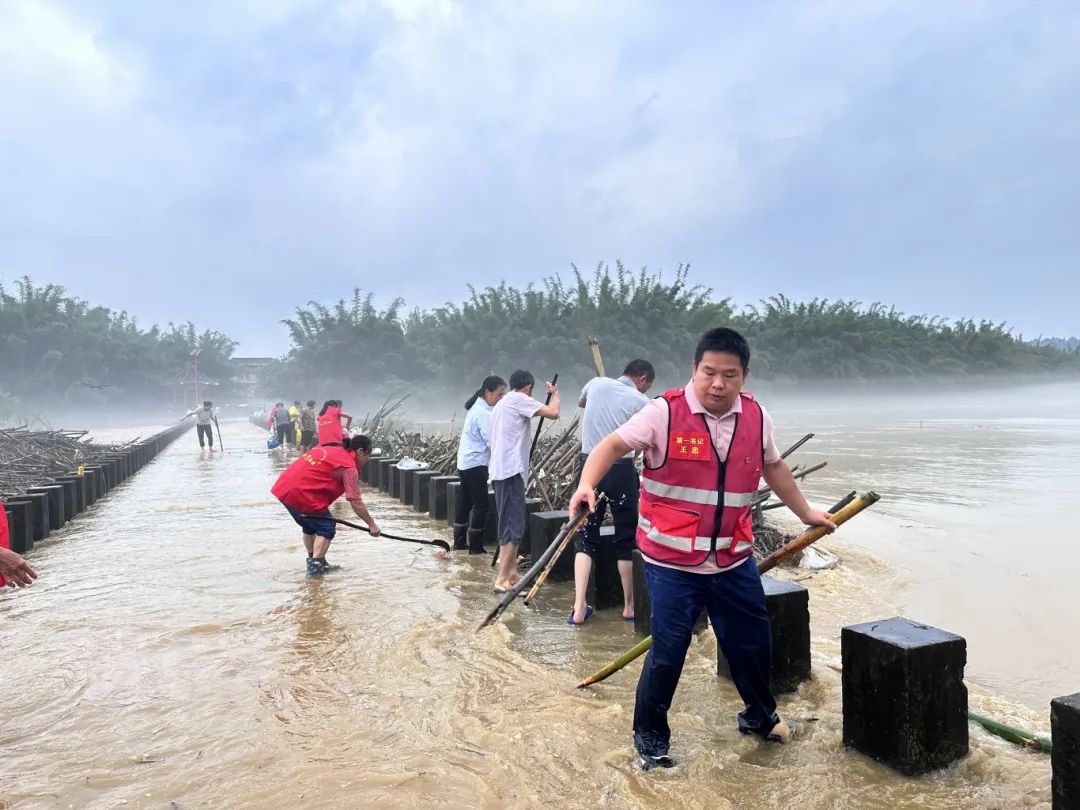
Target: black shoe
column 315, row 568
column 649, row 761
column 329, row 567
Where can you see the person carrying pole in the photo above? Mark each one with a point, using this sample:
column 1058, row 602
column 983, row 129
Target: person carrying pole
column 706, row 448
column 205, row 419
column 283, row 424
column 308, row 486
column 510, row 451
column 474, row 455
column 608, row 404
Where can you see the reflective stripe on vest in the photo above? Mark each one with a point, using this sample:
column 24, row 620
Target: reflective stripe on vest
column 702, row 496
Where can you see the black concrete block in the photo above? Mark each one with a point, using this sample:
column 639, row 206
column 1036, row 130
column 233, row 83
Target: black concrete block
column 405, row 491
column 70, row 499
column 543, row 529
column 642, row 602
column 1065, row 760
column 437, row 496
column 394, row 490
column 39, row 514
column 491, row 529
column 605, row 586
column 95, row 483
column 421, row 489
column 20, row 525
column 55, row 495
column 905, row 703
column 453, row 492
column 382, row 473
column 78, row 484
column 788, row 605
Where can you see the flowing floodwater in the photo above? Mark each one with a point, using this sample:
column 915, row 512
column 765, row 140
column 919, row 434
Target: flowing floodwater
column 173, row 654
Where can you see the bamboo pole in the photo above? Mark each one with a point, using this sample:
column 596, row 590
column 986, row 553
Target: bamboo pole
column 598, row 362
column 1012, row 734
column 807, row 538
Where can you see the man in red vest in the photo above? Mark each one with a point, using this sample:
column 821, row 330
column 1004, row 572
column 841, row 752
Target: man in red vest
column 14, row 570
column 310, row 484
column 706, row 449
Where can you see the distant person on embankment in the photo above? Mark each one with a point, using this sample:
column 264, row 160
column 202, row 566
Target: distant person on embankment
column 706, row 448
column 15, row 572
column 328, row 423
column 205, row 419
column 309, row 485
column 474, row 455
column 608, row 404
column 283, row 425
column 511, row 441
column 308, row 426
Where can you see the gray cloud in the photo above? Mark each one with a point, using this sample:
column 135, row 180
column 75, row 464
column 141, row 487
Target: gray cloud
column 226, row 162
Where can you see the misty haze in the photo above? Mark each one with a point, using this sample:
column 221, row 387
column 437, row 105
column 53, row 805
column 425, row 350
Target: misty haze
column 246, row 245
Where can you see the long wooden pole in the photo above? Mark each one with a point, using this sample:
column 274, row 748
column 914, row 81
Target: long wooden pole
column 807, row 538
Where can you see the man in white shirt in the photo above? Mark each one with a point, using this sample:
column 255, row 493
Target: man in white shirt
column 608, row 404
column 511, row 420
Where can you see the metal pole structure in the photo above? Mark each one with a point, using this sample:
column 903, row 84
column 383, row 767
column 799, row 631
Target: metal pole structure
column 195, row 363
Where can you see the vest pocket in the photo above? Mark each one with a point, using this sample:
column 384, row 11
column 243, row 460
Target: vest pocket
column 674, row 521
column 743, row 536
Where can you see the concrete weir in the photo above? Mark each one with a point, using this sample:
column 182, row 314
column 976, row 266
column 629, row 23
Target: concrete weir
column 1065, row 761
column 905, row 702
column 49, row 505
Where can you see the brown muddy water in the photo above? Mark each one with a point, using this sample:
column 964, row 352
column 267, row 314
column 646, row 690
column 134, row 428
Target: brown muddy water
column 173, row 655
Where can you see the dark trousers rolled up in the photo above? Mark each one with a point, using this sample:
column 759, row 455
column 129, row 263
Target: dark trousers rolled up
column 471, row 509
column 208, row 431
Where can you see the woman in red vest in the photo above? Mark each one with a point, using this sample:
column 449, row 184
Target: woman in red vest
column 14, row 570
column 310, row 484
column 328, row 423
column 706, row 448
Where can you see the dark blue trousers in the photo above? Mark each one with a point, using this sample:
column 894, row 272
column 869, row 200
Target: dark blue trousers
column 735, row 602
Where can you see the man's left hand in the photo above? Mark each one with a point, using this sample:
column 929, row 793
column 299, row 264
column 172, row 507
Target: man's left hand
column 817, row 517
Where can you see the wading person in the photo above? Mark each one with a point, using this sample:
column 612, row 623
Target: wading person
column 282, row 424
column 706, row 447
column 205, row 419
column 474, row 454
column 294, row 417
column 328, row 423
column 608, row 404
column 310, row 484
column 511, row 438
column 308, row 426
column 15, row 572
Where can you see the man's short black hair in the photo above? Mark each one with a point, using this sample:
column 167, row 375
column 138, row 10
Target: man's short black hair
column 521, row 379
column 311, row 403
column 640, row 368
column 726, row 340
column 207, row 402
column 357, row 442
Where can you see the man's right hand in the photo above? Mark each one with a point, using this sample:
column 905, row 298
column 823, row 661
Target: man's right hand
column 373, row 527
column 17, row 571
column 583, row 496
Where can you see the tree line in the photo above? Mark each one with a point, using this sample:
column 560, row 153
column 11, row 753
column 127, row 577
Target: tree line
column 543, row 327
column 58, row 349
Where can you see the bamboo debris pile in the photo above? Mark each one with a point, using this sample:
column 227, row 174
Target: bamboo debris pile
column 29, row 457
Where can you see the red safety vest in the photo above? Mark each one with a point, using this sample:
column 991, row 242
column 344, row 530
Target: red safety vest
column 329, row 426
column 680, row 514
column 312, row 483
column 5, row 541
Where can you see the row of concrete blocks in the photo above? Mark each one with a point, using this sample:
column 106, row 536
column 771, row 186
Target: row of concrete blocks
column 45, row 508
column 904, row 699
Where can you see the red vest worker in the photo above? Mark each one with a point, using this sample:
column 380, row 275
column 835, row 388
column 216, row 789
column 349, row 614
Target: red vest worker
column 328, row 424
column 706, row 447
column 310, row 484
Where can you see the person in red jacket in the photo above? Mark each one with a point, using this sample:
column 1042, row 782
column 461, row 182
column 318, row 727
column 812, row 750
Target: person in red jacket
column 308, row 486
column 328, row 423
column 706, row 447
column 14, row 570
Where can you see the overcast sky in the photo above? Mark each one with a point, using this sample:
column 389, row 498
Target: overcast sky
column 226, row 161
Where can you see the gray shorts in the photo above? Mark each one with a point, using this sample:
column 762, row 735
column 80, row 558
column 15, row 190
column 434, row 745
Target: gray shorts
column 510, row 505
